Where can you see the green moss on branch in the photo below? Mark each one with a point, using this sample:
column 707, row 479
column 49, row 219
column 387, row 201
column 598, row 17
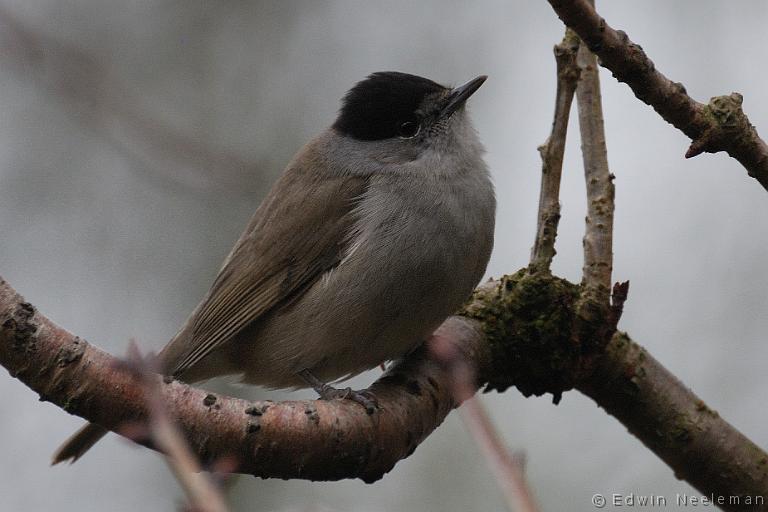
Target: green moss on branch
column 528, row 319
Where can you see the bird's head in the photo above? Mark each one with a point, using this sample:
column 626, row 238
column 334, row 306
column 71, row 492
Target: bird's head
column 406, row 113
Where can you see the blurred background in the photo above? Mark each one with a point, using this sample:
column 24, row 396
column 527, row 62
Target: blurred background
column 136, row 139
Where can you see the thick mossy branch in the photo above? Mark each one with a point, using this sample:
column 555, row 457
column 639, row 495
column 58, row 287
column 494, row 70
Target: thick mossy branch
column 543, row 334
column 529, row 321
column 540, row 340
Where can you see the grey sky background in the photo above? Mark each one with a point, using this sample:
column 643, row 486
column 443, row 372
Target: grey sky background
column 136, row 139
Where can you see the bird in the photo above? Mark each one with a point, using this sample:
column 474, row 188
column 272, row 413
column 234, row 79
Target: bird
column 379, row 228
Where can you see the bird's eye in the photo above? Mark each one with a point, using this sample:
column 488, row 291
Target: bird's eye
column 408, row 129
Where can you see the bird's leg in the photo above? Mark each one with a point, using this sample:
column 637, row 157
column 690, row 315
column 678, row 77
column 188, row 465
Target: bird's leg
column 328, row 392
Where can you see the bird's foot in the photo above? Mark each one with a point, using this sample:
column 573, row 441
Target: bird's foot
column 364, row 398
column 328, row 392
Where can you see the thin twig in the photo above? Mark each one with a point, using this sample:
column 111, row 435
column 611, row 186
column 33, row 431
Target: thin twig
column 552, row 152
column 203, row 494
column 598, row 237
column 506, row 468
column 720, row 125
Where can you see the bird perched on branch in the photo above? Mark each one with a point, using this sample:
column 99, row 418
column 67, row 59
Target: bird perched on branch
column 378, row 229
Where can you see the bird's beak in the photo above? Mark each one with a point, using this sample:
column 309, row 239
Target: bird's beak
column 458, row 96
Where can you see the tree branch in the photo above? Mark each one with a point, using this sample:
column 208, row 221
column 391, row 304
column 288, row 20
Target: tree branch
column 692, row 439
column 524, row 321
column 720, row 125
column 315, row 440
column 533, row 329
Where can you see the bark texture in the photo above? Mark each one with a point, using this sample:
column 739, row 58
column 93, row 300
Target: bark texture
column 315, row 440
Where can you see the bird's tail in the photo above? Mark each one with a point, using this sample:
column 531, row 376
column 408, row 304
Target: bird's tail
column 79, row 443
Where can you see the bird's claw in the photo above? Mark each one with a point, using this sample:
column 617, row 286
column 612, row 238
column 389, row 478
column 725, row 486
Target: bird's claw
column 328, row 392
column 364, row 398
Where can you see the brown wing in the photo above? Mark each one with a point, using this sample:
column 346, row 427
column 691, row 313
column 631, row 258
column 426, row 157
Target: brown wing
column 298, row 233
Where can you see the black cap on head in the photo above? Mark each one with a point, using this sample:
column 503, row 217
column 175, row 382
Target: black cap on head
column 375, row 108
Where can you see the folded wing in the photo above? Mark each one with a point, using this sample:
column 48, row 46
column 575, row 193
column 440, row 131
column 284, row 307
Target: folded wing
column 297, row 234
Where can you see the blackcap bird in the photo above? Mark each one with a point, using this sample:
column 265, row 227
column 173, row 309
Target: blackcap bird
column 378, row 229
